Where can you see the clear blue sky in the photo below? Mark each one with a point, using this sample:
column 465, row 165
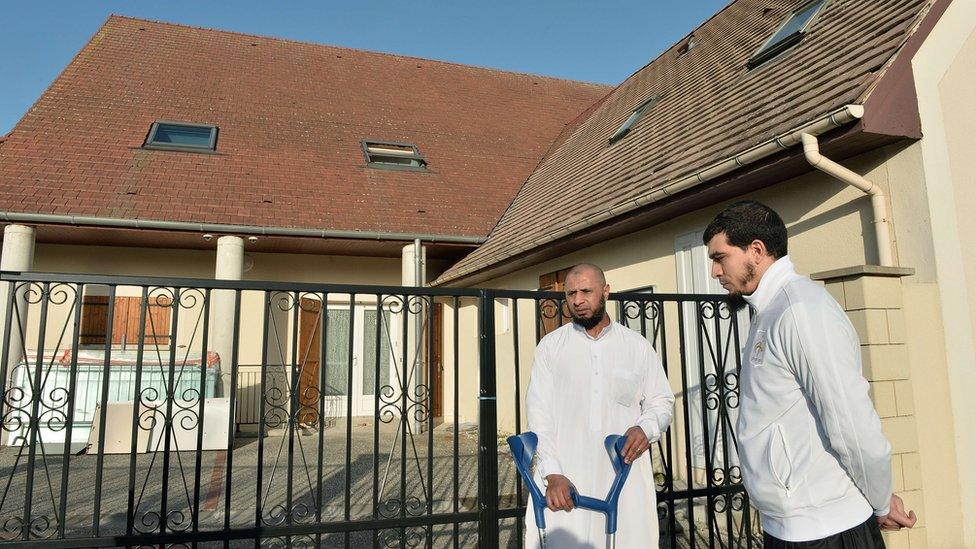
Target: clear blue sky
column 595, row 41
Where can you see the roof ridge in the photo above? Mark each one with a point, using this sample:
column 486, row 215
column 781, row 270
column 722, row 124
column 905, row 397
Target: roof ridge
column 359, row 50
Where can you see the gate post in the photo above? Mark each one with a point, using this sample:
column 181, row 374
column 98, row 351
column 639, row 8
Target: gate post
column 487, row 425
column 872, row 297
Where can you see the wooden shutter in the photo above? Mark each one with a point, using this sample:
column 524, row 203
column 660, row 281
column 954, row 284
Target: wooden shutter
column 94, row 320
column 157, row 320
column 553, row 282
column 125, row 321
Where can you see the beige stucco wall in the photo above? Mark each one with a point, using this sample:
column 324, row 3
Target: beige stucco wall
column 945, row 78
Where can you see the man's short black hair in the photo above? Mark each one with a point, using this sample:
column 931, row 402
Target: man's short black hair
column 746, row 221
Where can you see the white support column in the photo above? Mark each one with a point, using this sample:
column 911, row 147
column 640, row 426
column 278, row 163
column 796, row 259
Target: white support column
column 17, row 255
column 408, row 266
column 414, row 273
column 230, row 266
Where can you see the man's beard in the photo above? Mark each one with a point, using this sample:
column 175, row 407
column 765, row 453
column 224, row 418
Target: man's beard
column 594, row 319
column 736, row 299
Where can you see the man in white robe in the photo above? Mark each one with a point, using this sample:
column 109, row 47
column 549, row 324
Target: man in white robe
column 592, row 378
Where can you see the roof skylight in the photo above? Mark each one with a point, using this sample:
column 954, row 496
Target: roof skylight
column 789, row 33
column 636, row 115
column 393, row 155
column 182, row 136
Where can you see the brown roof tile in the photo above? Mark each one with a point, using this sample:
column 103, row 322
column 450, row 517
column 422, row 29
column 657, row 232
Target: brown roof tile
column 712, row 108
column 291, row 117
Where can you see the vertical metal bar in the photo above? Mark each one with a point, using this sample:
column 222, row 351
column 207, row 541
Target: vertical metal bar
column 380, row 319
column 643, row 318
column 430, row 417
column 294, row 412
column 322, row 394
column 662, row 334
column 518, row 410
column 72, row 379
column 204, row 362
column 707, row 450
column 686, row 408
column 722, row 414
column 737, row 358
column 456, row 331
column 34, row 420
column 261, row 419
column 228, row 475
column 100, row 456
column 349, row 392
column 5, row 352
column 539, row 320
column 136, row 400
column 487, row 427
column 170, row 397
column 404, row 388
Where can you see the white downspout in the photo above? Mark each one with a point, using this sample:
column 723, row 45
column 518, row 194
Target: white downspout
column 811, row 150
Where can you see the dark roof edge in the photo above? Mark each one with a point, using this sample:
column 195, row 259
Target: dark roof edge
column 182, row 226
column 891, row 105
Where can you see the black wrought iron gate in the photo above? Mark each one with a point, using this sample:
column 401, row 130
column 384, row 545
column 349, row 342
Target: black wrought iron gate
column 161, row 412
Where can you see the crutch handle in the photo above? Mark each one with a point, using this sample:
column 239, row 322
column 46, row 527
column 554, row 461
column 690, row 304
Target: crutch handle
column 523, row 449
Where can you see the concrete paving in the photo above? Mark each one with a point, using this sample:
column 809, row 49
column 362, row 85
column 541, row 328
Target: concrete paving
column 276, row 473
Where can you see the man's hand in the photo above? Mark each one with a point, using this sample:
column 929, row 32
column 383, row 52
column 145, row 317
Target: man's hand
column 557, row 493
column 636, row 444
column 896, row 519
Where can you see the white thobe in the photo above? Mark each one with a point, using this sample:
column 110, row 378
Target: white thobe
column 582, row 389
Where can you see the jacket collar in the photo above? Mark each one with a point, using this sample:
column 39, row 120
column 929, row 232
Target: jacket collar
column 776, row 276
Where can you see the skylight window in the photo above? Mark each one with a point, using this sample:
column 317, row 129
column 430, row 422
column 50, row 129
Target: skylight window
column 686, row 46
column 789, row 33
column 182, row 136
column 393, row 155
column 636, row 115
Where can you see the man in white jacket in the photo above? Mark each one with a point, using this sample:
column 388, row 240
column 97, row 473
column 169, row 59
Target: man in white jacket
column 814, row 460
column 591, row 378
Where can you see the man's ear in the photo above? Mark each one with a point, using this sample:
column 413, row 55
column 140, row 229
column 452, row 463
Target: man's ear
column 758, row 248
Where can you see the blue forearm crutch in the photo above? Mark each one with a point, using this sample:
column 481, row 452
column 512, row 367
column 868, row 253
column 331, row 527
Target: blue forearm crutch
column 523, row 449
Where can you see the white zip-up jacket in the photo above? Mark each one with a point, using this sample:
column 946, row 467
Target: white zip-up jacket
column 814, row 459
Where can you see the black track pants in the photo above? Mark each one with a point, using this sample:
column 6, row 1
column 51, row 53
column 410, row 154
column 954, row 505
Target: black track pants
column 864, row 536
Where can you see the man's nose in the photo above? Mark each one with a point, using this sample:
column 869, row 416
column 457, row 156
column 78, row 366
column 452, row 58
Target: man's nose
column 716, row 269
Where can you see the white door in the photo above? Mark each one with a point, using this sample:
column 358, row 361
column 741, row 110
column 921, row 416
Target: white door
column 354, row 349
column 376, row 360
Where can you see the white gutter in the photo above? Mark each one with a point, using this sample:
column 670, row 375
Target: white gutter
column 811, row 150
column 830, row 121
column 87, row 221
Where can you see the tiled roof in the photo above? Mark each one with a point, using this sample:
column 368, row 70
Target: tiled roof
column 291, row 117
column 712, row 108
